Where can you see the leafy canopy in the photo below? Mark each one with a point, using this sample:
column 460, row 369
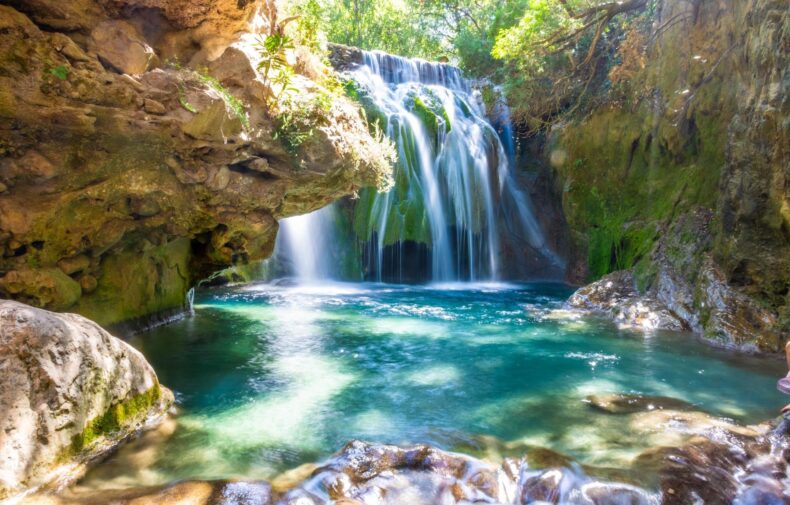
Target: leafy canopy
column 522, row 44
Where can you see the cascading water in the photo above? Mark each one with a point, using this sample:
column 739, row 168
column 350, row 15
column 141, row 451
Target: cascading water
column 444, row 218
column 302, row 248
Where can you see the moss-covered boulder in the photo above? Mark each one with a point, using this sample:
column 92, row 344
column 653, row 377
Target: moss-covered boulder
column 70, row 393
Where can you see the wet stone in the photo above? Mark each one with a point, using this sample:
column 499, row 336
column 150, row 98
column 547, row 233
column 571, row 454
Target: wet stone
column 629, row 404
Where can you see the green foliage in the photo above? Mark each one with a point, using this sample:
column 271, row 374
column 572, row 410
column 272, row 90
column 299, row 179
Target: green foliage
column 558, row 55
column 182, row 99
column 234, row 105
column 272, row 50
column 60, row 72
column 297, row 119
column 524, row 41
column 308, row 29
column 473, row 27
column 389, row 25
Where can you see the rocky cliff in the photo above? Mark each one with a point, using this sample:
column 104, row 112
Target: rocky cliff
column 139, row 151
column 677, row 167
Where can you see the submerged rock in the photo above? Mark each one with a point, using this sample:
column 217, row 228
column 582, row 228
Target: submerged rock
column 70, row 393
column 753, row 471
column 748, row 469
column 390, row 474
column 630, row 403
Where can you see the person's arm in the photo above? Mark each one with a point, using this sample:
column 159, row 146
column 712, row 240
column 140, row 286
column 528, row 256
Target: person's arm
column 787, row 354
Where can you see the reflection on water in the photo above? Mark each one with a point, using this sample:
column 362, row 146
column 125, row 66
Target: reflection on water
column 270, row 378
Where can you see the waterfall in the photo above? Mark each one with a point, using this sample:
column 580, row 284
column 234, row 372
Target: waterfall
column 454, row 196
column 453, row 180
column 191, row 301
column 302, row 249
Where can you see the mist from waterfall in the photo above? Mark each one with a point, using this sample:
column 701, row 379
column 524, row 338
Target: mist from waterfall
column 454, row 195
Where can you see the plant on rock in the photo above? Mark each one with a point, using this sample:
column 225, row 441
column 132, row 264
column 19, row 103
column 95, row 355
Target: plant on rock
column 272, row 49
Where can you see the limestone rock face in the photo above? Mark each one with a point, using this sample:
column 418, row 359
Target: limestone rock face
column 70, row 392
column 119, row 45
column 180, row 27
column 680, row 172
column 631, row 403
column 120, row 192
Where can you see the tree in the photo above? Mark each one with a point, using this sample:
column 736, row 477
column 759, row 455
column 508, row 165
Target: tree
column 555, row 52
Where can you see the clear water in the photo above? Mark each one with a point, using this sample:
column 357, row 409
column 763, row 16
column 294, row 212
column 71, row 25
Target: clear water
column 268, row 378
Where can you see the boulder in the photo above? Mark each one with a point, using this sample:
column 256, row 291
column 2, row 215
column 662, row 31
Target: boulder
column 615, row 295
column 121, row 48
column 345, row 57
column 70, row 393
column 710, row 470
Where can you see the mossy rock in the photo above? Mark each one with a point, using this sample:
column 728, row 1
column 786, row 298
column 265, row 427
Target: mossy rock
column 623, row 184
column 432, row 114
column 119, row 416
column 154, row 280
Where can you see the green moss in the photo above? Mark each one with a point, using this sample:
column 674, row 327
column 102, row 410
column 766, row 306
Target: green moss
column 405, row 216
column 373, row 116
column 427, row 117
column 233, row 104
column 60, row 72
column 632, row 181
column 489, row 97
column 153, row 281
column 349, row 259
column 182, row 99
column 464, row 108
column 116, row 418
